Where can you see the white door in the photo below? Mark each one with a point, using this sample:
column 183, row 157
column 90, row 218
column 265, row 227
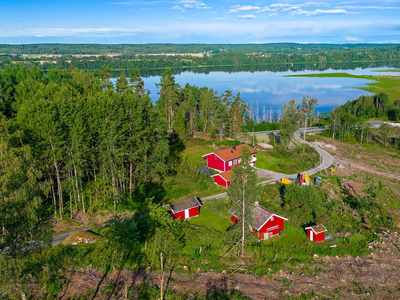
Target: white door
column 186, row 213
column 311, row 235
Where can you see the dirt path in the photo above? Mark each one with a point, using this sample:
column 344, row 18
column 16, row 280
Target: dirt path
column 352, row 165
column 374, row 276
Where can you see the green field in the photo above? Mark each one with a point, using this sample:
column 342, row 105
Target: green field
column 390, row 70
column 381, row 83
column 213, row 214
column 286, row 161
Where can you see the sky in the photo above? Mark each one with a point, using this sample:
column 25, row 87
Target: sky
column 195, row 21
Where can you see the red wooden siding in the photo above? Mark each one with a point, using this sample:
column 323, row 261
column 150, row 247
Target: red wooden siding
column 220, row 181
column 317, row 238
column 193, row 212
column 272, row 227
column 214, row 162
column 179, row 215
column 234, row 220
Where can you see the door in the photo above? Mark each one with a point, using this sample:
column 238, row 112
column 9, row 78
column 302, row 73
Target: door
column 186, row 214
column 311, row 235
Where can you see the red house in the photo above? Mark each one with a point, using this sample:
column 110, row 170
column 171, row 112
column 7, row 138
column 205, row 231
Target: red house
column 185, row 209
column 223, row 179
column 316, row 233
column 266, row 223
column 224, row 160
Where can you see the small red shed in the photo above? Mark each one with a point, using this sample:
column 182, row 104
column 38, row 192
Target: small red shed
column 223, row 179
column 316, row 233
column 266, row 223
column 224, row 160
column 185, row 209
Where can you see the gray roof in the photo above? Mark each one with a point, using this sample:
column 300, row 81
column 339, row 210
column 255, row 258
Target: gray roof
column 184, row 204
column 260, row 214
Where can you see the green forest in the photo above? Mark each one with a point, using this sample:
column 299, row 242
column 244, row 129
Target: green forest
column 273, row 57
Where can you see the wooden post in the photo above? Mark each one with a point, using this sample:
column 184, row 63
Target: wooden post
column 162, row 276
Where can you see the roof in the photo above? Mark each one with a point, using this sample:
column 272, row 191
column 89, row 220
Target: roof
column 261, row 215
column 225, row 175
column 232, row 153
column 205, row 170
column 184, row 204
column 317, row 228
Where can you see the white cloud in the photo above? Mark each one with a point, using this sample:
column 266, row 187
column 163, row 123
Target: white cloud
column 221, row 18
column 266, row 8
column 238, row 8
column 353, row 39
column 176, row 7
column 368, row 7
column 247, row 17
column 319, row 12
column 272, row 14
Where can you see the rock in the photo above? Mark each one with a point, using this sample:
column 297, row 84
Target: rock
column 185, row 268
column 223, row 271
column 315, row 255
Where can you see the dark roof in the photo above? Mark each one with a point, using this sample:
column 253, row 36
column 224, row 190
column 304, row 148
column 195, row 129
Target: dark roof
column 317, row 228
column 233, row 152
column 184, row 204
column 260, row 215
column 205, row 170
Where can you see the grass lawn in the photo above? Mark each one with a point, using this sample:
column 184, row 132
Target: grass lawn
column 195, row 153
column 382, row 83
column 289, row 162
column 268, row 162
column 213, row 214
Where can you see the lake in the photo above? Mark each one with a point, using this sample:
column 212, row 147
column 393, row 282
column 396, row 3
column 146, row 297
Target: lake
column 272, row 89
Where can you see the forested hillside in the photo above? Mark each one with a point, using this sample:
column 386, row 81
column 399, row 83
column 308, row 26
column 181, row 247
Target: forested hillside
column 96, row 145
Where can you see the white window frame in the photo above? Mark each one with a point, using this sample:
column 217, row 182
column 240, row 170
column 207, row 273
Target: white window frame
column 230, row 163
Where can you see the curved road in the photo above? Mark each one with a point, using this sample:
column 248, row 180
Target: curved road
column 326, row 161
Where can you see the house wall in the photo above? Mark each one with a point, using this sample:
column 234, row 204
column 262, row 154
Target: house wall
column 227, row 167
column 317, row 238
column 179, row 215
column 277, row 224
column 193, row 212
column 220, row 181
column 214, row 162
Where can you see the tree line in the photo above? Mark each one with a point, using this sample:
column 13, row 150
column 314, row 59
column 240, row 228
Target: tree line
column 348, row 121
column 97, row 143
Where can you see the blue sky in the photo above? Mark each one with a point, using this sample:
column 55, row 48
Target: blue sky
column 194, row 21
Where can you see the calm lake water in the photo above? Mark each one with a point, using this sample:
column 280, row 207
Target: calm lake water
column 272, row 89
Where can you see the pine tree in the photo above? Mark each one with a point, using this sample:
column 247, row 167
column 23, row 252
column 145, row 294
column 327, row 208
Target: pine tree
column 243, row 192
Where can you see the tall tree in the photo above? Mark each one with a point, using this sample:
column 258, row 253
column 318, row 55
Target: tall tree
column 289, row 122
column 20, row 208
column 306, row 109
column 243, row 192
column 169, row 98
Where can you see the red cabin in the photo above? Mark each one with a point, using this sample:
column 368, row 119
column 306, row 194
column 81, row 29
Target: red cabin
column 185, row 209
column 224, row 160
column 266, row 223
column 316, row 233
column 223, row 179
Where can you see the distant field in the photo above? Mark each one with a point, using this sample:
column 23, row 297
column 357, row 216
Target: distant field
column 390, row 70
column 382, row 83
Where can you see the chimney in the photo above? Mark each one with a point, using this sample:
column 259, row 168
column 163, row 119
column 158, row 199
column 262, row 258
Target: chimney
column 234, row 147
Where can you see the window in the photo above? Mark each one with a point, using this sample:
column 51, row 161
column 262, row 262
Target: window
column 234, row 161
column 230, row 164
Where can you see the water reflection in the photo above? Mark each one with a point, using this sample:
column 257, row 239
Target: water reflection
column 272, row 89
